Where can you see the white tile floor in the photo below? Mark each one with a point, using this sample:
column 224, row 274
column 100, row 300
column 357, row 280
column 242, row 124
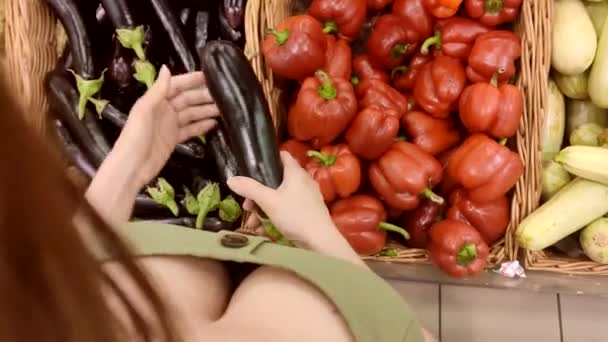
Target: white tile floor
column 463, row 314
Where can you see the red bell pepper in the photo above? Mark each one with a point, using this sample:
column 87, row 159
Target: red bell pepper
column 418, row 222
column 323, row 109
column 457, row 248
column 343, row 17
column 361, row 220
column 337, row 171
column 296, row 48
column 492, row 51
column 381, row 94
column 489, row 218
column 298, row 150
column 404, row 77
column 454, row 37
column 404, row 174
column 364, row 70
column 493, row 12
column 492, row 109
column 432, row 135
column 485, row 168
column 377, row 5
column 443, row 8
column 415, row 15
column 439, row 85
column 372, row 132
column 391, row 41
column 339, row 58
column 448, row 184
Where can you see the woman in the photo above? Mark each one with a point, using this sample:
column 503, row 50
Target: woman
column 52, row 287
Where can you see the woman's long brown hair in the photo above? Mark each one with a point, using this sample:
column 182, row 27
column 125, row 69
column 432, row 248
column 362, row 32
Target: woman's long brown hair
column 51, row 286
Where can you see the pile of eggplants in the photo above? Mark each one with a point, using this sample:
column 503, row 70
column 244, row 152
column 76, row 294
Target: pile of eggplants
column 185, row 35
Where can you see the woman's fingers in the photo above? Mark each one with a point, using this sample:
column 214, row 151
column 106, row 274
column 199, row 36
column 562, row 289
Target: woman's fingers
column 196, row 129
column 183, row 82
column 197, row 113
column 192, row 97
column 160, row 89
column 250, row 188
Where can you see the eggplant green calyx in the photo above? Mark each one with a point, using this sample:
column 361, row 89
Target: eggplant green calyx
column 208, row 200
column 273, row 232
column 145, row 73
column 431, row 41
column 100, row 105
column 393, row 228
column 203, row 139
column 467, row 254
column 133, row 39
column 324, row 159
column 190, row 202
column 399, row 50
column 164, row 194
column 327, row 91
column 229, row 209
column 86, row 90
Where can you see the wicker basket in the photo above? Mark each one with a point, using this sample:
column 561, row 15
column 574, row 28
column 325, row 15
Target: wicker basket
column 31, row 46
column 533, row 29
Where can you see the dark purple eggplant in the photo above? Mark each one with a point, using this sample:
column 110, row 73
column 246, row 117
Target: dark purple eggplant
column 120, row 13
column 211, row 224
column 146, row 207
column 120, row 70
column 201, row 30
column 185, row 14
column 226, row 30
column 86, row 132
column 234, row 12
column 78, row 36
column 245, row 119
column 220, row 150
column 171, row 25
column 73, row 152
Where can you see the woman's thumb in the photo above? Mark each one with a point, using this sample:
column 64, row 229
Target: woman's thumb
column 251, row 189
column 160, row 89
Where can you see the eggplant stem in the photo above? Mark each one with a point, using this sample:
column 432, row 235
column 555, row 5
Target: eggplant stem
column 433, row 197
column 399, row 50
column 431, row 41
column 281, row 35
column 467, row 254
column 133, row 39
column 100, row 105
column 494, row 6
column 327, row 90
column 325, row 159
column 145, row 73
column 330, row 26
column 393, row 228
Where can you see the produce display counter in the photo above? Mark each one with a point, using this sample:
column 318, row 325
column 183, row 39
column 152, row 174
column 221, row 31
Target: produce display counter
column 547, row 282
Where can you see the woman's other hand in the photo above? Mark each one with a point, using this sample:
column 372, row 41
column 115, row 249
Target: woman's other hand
column 175, row 109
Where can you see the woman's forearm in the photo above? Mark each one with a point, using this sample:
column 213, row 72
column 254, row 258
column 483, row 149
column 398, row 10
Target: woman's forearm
column 335, row 245
column 113, row 189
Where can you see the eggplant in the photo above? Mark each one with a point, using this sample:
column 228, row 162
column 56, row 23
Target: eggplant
column 234, row 12
column 86, row 132
column 120, row 70
column 245, row 119
column 226, row 30
column 146, row 207
column 120, row 13
column 212, row 224
column 74, row 153
column 225, row 158
column 171, row 25
column 78, row 36
column 201, row 30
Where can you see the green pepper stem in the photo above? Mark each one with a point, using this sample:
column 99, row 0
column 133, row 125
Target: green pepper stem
column 494, row 6
column 324, row 159
column 435, row 41
column 388, row 252
column 399, row 50
column 433, row 197
column 327, row 90
column 393, row 228
column 467, row 254
column 330, row 26
column 494, row 79
column 503, row 141
column 402, row 69
column 401, row 138
column 355, row 80
column 281, row 35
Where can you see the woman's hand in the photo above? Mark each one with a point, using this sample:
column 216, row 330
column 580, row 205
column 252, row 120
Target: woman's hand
column 298, row 210
column 175, row 109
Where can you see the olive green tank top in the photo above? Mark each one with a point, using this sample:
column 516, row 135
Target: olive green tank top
column 373, row 310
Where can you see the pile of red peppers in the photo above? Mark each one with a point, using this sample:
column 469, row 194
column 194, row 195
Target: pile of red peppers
column 408, row 138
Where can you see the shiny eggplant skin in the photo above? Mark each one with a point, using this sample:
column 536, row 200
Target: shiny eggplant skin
column 211, row 224
column 86, row 132
column 234, row 12
column 79, row 37
column 245, row 118
column 171, row 24
column 146, row 207
column 120, row 13
column 73, row 152
column 225, row 159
